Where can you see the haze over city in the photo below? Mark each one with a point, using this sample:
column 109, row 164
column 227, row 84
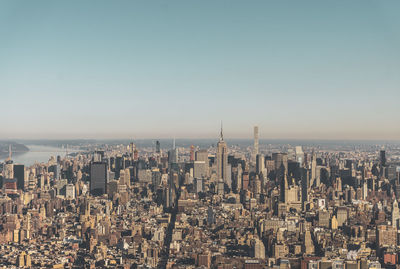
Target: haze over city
column 137, row 69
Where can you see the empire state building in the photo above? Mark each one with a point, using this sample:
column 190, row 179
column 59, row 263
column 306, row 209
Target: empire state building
column 222, row 158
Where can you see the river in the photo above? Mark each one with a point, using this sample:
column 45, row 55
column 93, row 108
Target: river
column 38, row 153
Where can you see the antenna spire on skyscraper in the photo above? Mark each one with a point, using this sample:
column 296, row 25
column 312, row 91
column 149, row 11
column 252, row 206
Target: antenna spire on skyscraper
column 222, row 133
column 9, row 151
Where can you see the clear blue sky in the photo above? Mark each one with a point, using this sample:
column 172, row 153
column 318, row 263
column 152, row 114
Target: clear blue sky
column 298, row 69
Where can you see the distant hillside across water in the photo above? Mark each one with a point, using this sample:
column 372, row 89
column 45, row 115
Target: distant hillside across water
column 209, row 142
column 16, row 148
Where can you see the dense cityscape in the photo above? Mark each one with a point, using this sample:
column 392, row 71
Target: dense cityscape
column 180, row 134
column 222, row 206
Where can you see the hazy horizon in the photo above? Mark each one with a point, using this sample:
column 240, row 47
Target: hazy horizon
column 154, row 138
column 227, row 135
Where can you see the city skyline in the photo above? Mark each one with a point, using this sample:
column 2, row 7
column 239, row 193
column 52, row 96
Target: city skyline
column 306, row 70
column 200, row 134
column 127, row 205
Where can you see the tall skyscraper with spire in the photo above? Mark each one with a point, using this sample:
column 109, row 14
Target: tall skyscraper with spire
column 222, row 158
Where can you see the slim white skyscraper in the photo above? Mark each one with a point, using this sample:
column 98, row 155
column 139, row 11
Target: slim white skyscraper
column 255, row 149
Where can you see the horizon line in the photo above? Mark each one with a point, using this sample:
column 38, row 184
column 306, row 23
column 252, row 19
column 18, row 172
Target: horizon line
column 199, row 138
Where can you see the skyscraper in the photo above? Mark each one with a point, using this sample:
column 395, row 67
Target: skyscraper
column 132, row 149
column 395, row 214
column 308, row 244
column 9, row 165
column 255, row 149
column 304, row 176
column 98, row 178
column 119, row 164
column 8, row 169
column 9, row 181
column 383, row 158
column 299, row 155
column 284, row 186
column 260, row 164
column 259, row 249
column 222, row 158
column 158, row 147
column 98, row 156
column 281, row 165
column 280, row 160
column 173, row 154
column 202, row 155
column 191, row 153
column 313, row 169
column 19, row 175
column 70, row 191
column 199, row 169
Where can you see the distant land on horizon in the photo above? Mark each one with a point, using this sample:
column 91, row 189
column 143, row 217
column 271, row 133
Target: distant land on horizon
column 186, row 142
column 15, row 147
